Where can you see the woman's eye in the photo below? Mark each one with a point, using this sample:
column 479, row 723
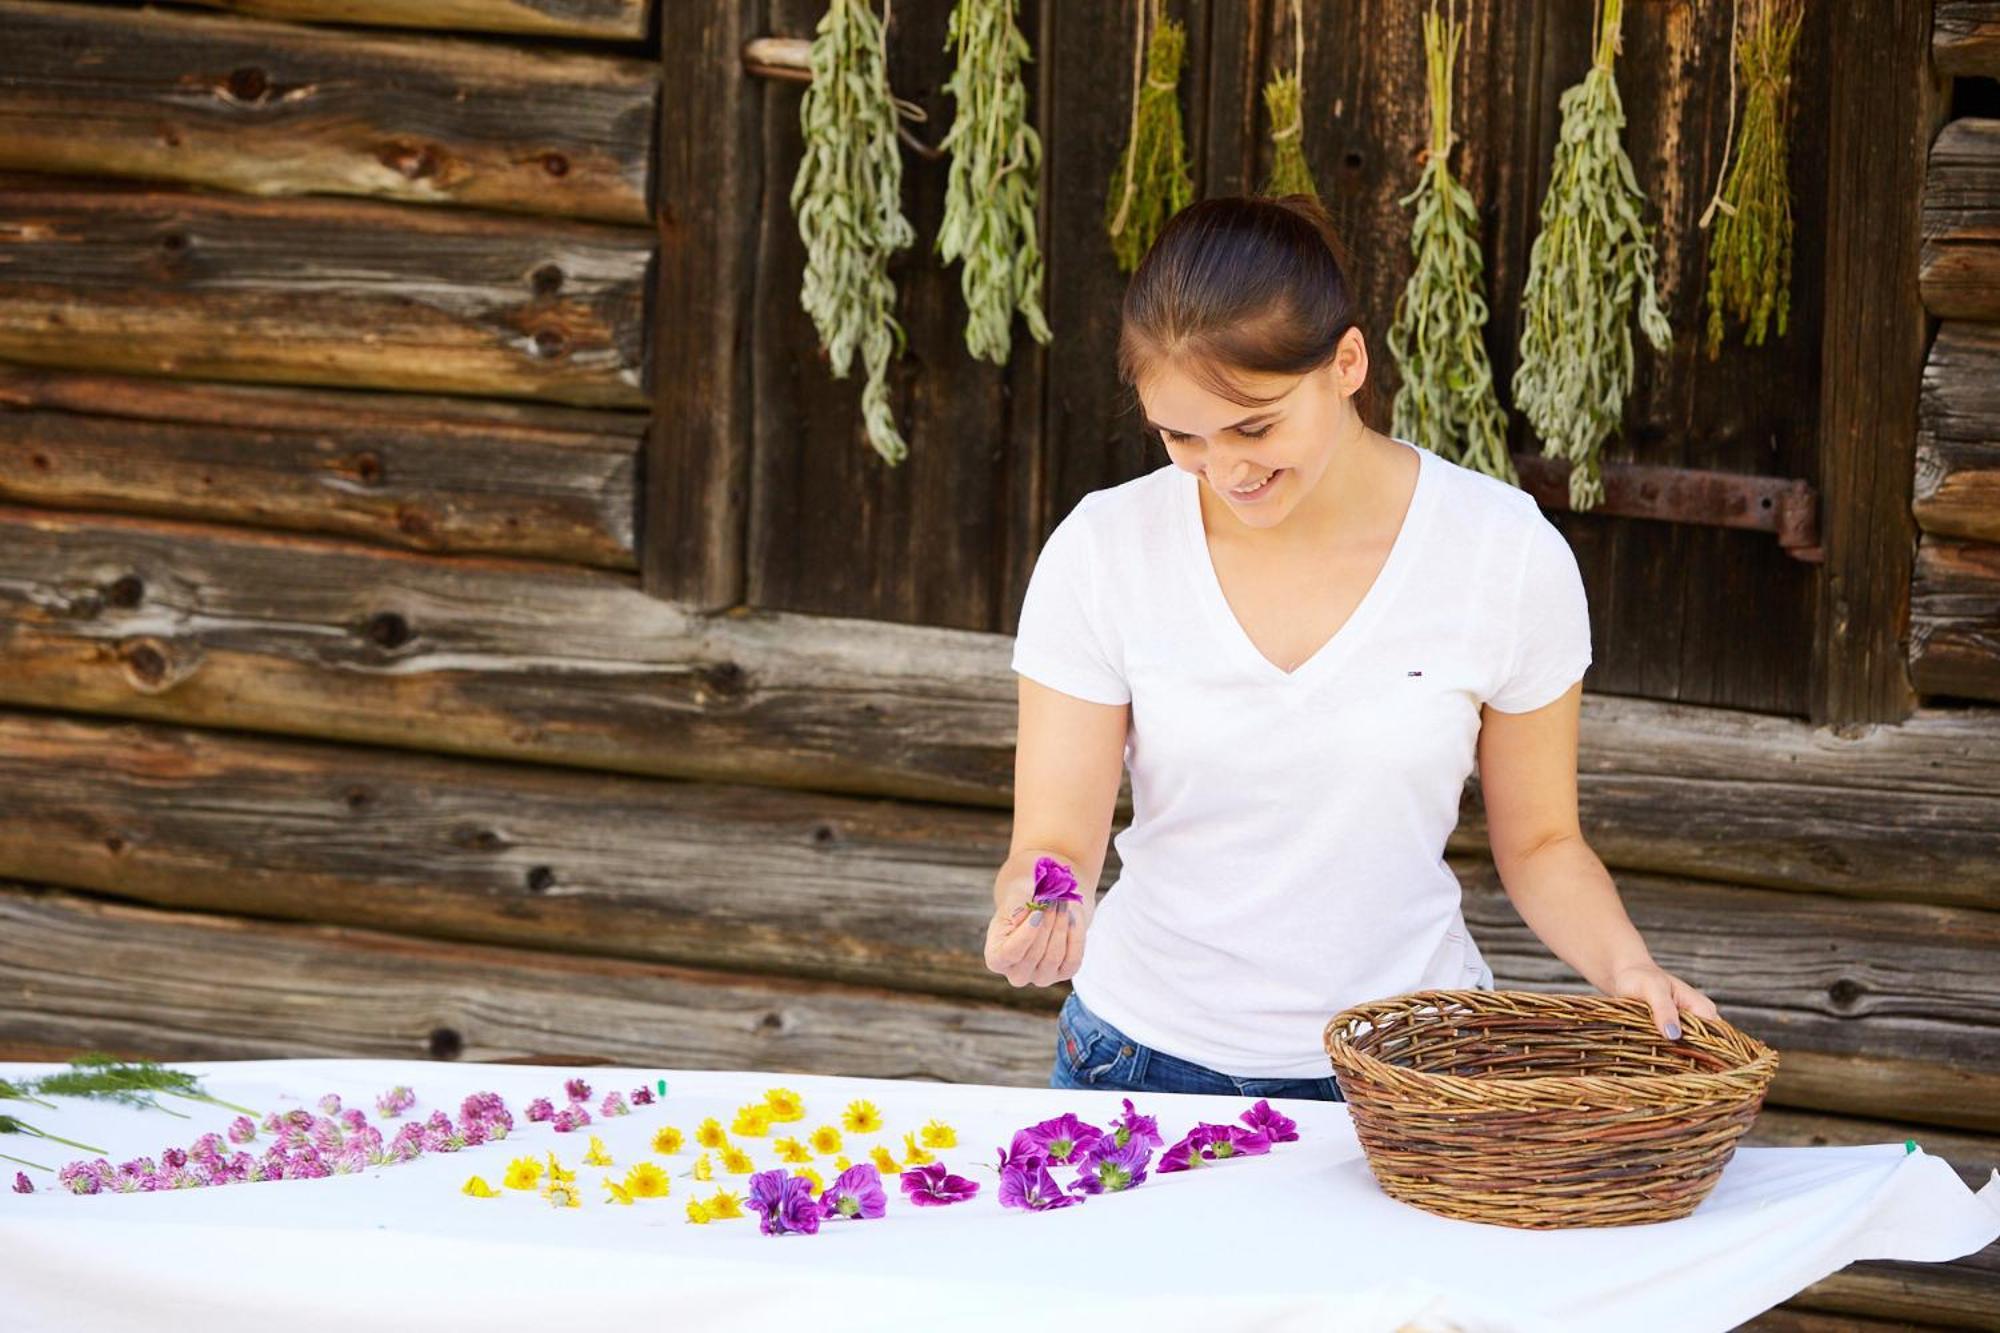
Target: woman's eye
column 1256, row 434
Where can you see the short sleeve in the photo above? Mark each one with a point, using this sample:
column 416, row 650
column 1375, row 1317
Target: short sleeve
column 1551, row 625
column 1063, row 639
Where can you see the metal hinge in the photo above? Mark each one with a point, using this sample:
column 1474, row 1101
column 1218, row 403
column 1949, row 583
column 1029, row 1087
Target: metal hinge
column 1784, row 506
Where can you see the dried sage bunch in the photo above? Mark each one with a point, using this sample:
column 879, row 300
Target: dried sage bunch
column 1750, row 250
column 1283, row 102
column 1590, row 260
column 847, row 198
column 1152, row 182
column 1446, row 401
column 989, row 202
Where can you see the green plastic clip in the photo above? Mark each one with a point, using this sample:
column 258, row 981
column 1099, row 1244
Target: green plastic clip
column 1909, row 1146
column 663, row 1087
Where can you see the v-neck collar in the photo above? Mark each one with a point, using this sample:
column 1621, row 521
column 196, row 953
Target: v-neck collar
column 1356, row 624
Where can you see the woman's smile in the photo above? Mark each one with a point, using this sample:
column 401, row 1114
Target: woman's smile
column 1258, row 490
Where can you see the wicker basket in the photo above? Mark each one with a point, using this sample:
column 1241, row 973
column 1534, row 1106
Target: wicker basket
column 1534, row 1110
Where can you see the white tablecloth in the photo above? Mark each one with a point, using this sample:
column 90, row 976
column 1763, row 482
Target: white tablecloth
column 1300, row 1239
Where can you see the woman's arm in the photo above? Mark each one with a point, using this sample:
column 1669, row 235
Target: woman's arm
column 1069, row 755
column 1527, row 779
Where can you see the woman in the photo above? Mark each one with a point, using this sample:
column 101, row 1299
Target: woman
column 1297, row 634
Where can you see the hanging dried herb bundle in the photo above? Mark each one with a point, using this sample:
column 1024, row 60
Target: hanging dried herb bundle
column 1152, row 181
column 1588, row 263
column 1283, row 103
column 1750, row 250
column 847, row 198
column 989, row 202
column 1446, row 401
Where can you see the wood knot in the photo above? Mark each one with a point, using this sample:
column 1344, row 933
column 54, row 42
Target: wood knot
column 771, row 1022
column 823, row 834
column 248, row 84
column 40, row 462
column 174, row 242
column 446, row 1044
column 556, row 164
column 368, row 468
column 1846, row 993
column 725, row 678
column 541, row 879
column 150, row 665
column 546, row 280
column 114, row 844
column 550, row 342
column 357, row 797
column 411, row 161
column 127, row 591
column 387, row 629
column 414, row 523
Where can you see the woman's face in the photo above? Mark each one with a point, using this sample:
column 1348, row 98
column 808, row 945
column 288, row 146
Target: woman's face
column 1262, row 462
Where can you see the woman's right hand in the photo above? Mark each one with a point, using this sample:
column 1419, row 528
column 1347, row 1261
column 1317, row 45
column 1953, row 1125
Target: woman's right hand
column 1033, row 947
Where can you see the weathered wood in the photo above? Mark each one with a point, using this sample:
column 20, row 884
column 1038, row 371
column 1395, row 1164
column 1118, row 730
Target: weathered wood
column 1973, row 1156
column 698, row 454
column 349, row 293
column 1789, row 1318
column 1886, row 105
column 274, row 108
column 507, row 659
column 1962, row 1293
column 614, row 19
column 422, row 473
column 1958, row 434
column 1966, row 39
column 80, row 973
column 1955, row 618
column 1961, row 216
column 770, row 882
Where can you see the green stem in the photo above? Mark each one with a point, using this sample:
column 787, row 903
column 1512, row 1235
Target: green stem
column 25, row 1162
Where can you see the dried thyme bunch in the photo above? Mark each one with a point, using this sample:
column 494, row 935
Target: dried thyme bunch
column 1590, row 259
column 1446, row 401
column 989, row 202
column 1750, row 250
column 1152, row 181
column 847, row 198
column 1283, row 104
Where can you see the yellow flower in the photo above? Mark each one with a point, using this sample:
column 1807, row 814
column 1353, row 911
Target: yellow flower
column 558, row 1172
column 819, row 1185
column 697, row 1213
column 938, row 1134
column 709, row 1134
column 785, row 1105
column 841, row 1163
column 703, row 1168
column 885, row 1161
column 561, row 1194
column 724, row 1204
column 667, row 1141
column 737, row 1162
column 523, row 1173
column 597, row 1156
column 862, row 1118
column 618, row 1193
column 754, row 1120
column 826, row 1139
column 791, row 1150
column 479, row 1189
column 913, row 1155
column 647, row 1181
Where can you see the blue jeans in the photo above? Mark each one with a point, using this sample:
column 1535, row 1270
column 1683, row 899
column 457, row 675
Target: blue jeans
column 1090, row 1053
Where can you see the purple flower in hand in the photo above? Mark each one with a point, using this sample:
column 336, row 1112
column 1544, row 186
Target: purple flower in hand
column 933, row 1186
column 1025, row 1182
column 784, row 1204
column 857, row 1193
column 1112, row 1166
column 1275, row 1125
column 1053, row 884
column 1060, row 1141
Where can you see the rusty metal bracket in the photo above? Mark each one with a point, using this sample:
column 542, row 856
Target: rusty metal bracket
column 1784, row 506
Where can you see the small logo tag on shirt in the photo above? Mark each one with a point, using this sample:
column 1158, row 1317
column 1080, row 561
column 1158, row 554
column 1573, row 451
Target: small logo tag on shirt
column 1413, row 673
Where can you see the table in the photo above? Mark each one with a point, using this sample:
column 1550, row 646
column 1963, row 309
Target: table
column 1302, row 1238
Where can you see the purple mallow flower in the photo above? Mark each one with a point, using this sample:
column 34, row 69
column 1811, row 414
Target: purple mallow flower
column 394, row 1102
column 1053, row 884
column 1112, row 1167
column 1275, row 1125
column 1212, row 1143
column 784, row 1204
column 1060, row 1141
column 1025, row 1182
column 857, row 1193
column 1132, row 1126
column 932, row 1186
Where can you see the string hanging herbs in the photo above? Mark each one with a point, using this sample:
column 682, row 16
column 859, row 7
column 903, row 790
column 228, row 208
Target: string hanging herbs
column 846, row 198
column 1446, row 401
column 989, row 204
column 1283, row 102
column 1152, row 182
column 1590, row 260
column 1750, row 248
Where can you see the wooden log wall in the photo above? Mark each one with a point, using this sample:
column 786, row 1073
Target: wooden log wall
column 368, row 370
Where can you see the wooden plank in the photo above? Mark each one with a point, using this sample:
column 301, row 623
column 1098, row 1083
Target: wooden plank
column 1966, row 40
column 1955, row 618
column 698, row 452
column 1958, row 434
column 1872, row 352
column 1789, row 1318
column 1960, row 273
column 1894, row 997
column 1973, row 1156
column 374, row 994
column 402, row 470
column 348, row 293
column 509, row 659
column 276, row 109
column 609, row 19
column 1961, row 1293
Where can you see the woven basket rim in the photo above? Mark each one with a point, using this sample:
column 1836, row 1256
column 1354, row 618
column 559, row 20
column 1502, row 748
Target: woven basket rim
column 1754, row 1072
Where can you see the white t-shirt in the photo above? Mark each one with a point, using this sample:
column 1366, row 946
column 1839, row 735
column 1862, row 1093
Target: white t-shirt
column 1285, row 857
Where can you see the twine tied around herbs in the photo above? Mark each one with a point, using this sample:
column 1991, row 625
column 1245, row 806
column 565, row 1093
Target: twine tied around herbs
column 1152, row 181
column 1283, row 103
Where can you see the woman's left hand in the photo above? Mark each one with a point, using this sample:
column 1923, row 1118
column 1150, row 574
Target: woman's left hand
column 1665, row 992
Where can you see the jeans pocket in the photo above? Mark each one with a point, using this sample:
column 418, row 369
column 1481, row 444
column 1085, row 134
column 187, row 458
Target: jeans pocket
column 1089, row 1048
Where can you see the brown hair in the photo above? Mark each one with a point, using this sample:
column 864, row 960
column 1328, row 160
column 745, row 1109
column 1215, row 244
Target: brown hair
column 1240, row 283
